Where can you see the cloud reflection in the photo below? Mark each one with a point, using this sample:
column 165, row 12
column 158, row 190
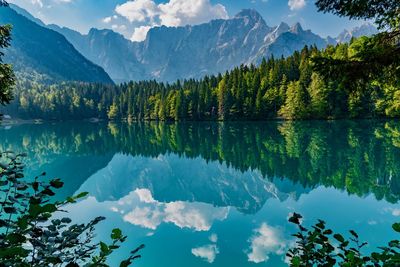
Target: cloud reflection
column 150, row 213
column 266, row 240
column 208, row 252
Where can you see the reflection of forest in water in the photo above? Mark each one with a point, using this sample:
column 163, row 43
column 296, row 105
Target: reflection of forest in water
column 360, row 157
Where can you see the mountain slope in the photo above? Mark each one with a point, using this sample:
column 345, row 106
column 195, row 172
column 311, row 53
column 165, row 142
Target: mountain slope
column 37, row 49
column 363, row 30
column 170, row 53
column 285, row 40
column 108, row 49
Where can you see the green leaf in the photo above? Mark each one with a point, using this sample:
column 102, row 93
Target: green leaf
column 13, row 251
column 49, row 208
column 396, row 227
column 56, row 183
column 34, row 200
column 15, row 238
column 327, row 232
column 116, row 234
column 125, row 263
column 35, row 186
column 66, row 220
column 3, row 223
column 104, row 248
column 295, row 218
column 81, row 195
column 353, row 233
column 48, row 192
column 35, row 210
column 295, row 262
column 136, row 250
column 10, row 210
column 22, row 223
column 339, row 237
column 56, row 260
column 22, row 187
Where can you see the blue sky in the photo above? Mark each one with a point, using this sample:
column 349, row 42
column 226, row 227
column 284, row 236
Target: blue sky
column 133, row 18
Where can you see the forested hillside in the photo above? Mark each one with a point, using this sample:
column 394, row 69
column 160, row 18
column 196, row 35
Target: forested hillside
column 289, row 88
column 42, row 54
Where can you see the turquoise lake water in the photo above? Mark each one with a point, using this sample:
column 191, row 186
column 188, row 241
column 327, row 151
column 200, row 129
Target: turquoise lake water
column 220, row 194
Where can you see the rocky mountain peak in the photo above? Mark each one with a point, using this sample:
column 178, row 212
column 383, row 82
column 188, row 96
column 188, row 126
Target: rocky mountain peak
column 170, row 53
column 366, row 29
column 282, row 27
column 296, row 28
column 251, row 15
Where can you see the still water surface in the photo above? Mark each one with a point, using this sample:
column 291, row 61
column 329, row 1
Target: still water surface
column 209, row 194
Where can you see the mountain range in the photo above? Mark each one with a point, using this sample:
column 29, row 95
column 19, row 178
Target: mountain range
column 38, row 51
column 170, row 53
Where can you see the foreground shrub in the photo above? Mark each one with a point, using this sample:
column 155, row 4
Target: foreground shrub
column 29, row 233
column 320, row 246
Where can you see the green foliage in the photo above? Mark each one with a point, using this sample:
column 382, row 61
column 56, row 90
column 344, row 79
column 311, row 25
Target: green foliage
column 286, row 88
column 369, row 58
column 112, row 112
column 31, row 230
column 320, row 246
column 295, row 107
column 319, row 94
column 385, row 12
column 6, row 73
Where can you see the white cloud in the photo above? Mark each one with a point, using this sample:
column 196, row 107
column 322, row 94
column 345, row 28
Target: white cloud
column 197, row 216
column 296, row 4
column 213, row 238
column 208, row 252
column 117, row 27
column 396, row 212
column 265, row 241
column 140, row 33
column 173, row 13
column 107, row 19
column 183, row 12
column 137, row 10
column 145, row 196
column 146, row 217
column 150, row 213
column 37, row 2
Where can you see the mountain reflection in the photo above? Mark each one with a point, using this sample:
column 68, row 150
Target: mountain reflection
column 223, row 164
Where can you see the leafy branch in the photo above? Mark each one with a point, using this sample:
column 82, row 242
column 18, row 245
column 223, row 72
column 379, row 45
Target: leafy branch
column 30, row 233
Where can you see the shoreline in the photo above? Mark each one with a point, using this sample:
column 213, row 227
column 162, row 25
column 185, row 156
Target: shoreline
column 11, row 122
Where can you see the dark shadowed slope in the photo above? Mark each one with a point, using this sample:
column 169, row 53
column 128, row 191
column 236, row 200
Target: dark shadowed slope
column 39, row 50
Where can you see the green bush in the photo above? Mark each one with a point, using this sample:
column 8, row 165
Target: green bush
column 320, row 246
column 30, row 235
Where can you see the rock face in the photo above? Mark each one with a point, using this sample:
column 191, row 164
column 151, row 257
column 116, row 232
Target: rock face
column 108, row 49
column 364, row 30
column 44, row 52
column 170, row 53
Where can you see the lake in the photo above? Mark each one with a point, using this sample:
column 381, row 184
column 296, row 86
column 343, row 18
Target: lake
column 220, row 194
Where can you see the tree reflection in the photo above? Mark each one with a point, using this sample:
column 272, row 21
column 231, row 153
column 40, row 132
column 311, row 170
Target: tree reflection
column 360, row 157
